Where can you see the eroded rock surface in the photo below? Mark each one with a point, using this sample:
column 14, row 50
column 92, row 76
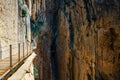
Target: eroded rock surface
column 82, row 42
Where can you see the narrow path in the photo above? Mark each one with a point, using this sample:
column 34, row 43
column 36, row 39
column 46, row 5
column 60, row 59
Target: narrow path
column 5, row 63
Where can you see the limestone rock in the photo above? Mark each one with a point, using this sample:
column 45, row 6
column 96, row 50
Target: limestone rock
column 84, row 41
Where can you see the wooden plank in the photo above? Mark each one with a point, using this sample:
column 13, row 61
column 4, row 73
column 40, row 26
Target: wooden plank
column 5, row 63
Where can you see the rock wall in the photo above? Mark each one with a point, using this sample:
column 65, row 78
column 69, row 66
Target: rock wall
column 14, row 28
column 82, row 42
column 8, row 24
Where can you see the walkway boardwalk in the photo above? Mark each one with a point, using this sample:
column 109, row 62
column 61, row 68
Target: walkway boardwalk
column 8, row 63
column 21, row 74
column 5, row 63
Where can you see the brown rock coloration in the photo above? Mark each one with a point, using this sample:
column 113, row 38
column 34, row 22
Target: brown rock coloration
column 80, row 40
column 77, row 39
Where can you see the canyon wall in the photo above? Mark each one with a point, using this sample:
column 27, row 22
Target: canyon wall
column 14, row 28
column 81, row 41
column 8, row 24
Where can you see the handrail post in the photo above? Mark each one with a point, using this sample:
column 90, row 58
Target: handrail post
column 27, row 48
column 30, row 47
column 18, row 51
column 10, row 56
column 23, row 50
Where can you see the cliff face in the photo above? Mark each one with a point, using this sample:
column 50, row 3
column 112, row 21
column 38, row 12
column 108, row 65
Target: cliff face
column 82, row 40
column 14, row 25
column 8, row 24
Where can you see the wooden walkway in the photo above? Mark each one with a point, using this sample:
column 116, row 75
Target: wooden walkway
column 5, row 63
column 22, row 50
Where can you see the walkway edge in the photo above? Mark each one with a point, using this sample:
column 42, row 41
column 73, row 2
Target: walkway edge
column 18, row 75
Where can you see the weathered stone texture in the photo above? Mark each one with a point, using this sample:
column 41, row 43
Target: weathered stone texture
column 85, row 39
column 12, row 26
column 8, row 24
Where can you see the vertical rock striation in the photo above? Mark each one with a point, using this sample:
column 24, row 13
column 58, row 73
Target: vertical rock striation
column 82, row 40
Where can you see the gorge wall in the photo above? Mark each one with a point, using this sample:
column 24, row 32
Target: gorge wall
column 14, row 25
column 8, row 25
column 80, row 40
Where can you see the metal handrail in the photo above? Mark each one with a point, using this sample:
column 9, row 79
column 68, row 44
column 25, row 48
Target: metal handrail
column 21, row 52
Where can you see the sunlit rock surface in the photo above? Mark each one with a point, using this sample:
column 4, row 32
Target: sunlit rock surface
column 14, row 28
